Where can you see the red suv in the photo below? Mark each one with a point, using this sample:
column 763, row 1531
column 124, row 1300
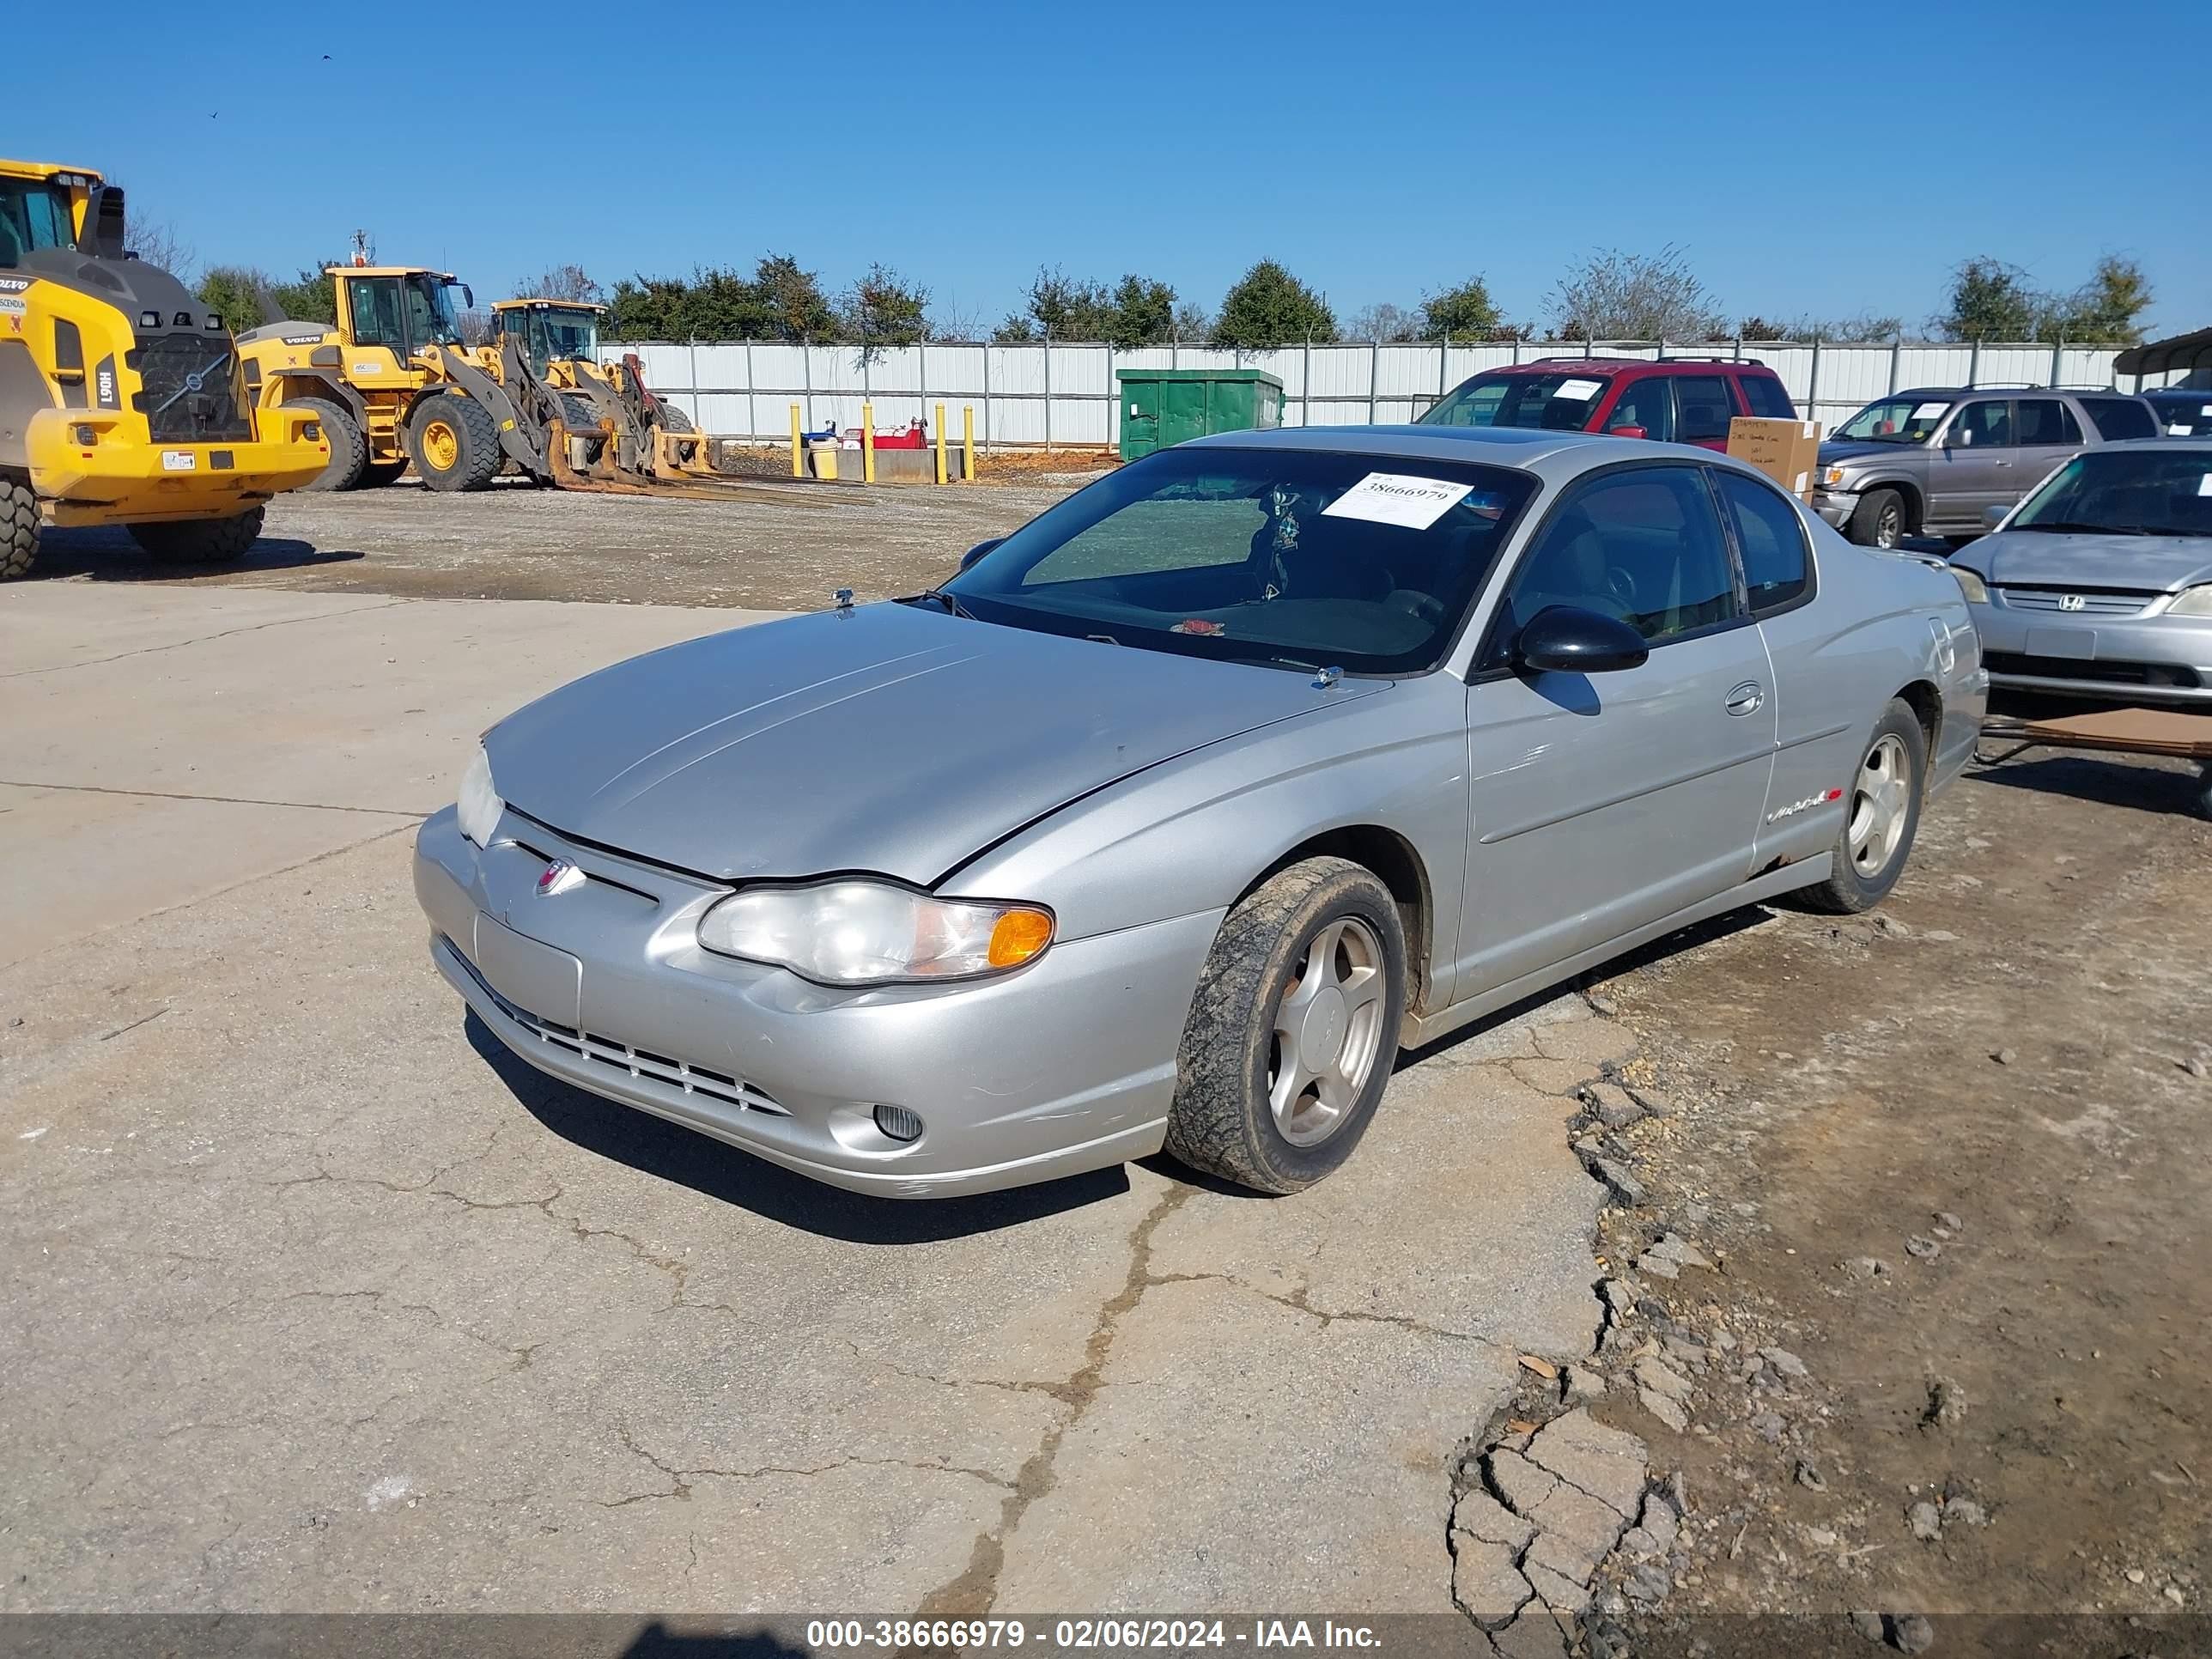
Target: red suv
column 1683, row 400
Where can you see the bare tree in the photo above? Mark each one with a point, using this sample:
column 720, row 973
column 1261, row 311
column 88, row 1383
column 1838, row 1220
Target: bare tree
column 569, row 283
column 157, row 242
column 1613, row 296
column 1392, row 324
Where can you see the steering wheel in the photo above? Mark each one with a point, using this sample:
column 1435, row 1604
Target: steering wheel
column 1621, row 585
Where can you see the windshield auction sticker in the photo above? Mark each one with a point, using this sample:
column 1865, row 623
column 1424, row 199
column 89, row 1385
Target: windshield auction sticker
column 1397, row 498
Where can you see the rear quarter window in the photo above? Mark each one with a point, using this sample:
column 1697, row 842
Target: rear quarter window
column 1767, row 398
column 2119, row 418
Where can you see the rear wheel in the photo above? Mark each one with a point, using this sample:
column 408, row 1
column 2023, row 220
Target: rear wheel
column 1879, row 519
column 200, row 541
column 453, row 442
column 348, row 445
column 1881, row 815
column 581, row 421
column 1291, row 1035
column 18, row 530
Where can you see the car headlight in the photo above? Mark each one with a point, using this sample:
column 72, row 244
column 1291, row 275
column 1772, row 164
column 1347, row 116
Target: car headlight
column 1976, row 590
column 2193, row 602
column 857, row 932
column 479, row 805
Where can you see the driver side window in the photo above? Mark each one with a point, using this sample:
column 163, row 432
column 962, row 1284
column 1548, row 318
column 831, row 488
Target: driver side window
column 1642, row 546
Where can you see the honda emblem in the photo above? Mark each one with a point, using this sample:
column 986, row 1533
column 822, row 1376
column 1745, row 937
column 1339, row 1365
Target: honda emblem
column 2071, row 602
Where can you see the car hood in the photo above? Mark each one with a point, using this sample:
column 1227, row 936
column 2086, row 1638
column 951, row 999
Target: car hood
column 2031, row 558
column 890, row 737
column 1841, row 451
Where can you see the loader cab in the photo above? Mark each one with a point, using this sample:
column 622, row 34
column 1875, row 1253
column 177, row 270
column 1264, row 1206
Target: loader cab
column 402, row 311
column 549, row 331
column 46, row 207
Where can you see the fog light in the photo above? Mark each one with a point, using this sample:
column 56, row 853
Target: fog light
column 899, row 1123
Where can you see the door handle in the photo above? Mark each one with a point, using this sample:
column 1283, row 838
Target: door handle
column 1747, row 698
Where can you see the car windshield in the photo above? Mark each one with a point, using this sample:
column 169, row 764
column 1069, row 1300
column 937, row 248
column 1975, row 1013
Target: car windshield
column 1896, row 421
column 33, row 214
column 2145, row 492
column 1301, row 559
column 1560, row 402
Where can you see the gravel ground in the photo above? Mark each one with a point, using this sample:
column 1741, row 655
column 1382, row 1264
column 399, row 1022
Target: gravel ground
column 789, row 550
column 1949, row 1356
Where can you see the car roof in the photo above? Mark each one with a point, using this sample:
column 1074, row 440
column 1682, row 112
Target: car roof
column 2201, row 394
column 1608, row 366
column 1554, row 455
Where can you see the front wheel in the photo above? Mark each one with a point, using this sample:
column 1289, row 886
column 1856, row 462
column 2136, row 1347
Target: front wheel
column 18, row 530
column 453, row 442
column 1881, row 815
column 200, row 541
column 1291, row 1036
column 1879, row 519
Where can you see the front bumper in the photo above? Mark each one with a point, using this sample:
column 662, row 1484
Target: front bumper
column 118, row 478
column 2132, row 660
column 1065, row 1065
column 1836, row 505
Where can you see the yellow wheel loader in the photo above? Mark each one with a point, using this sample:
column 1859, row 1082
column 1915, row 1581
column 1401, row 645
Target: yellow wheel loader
column 392, row 384
column 121, row 399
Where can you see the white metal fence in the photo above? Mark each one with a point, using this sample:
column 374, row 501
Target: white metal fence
column 1054, row 395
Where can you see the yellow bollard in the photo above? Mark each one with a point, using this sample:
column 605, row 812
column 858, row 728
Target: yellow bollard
column 967, row 438
column 940, row 443
column 798, row 455
column 868, row 443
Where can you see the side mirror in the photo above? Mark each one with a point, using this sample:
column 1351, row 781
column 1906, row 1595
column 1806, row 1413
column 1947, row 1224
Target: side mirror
column 1993, row 516
column 1565, row 639
column 979, row 551
column 468, row 297
column 1626, row 432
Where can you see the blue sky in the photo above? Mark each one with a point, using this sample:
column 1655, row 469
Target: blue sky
column 1825, row 160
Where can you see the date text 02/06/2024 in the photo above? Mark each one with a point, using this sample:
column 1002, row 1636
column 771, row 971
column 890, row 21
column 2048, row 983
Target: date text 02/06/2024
column 1080, row 1634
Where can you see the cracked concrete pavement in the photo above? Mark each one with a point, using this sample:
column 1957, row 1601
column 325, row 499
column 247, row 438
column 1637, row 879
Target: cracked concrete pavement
column 320, row 1302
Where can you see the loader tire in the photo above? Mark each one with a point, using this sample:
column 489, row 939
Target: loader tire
column 18, row 530
column 453, row 442
column 582, row 423
column 349, row 443
column 200, row 541
column 674, row 418
column 377, row 474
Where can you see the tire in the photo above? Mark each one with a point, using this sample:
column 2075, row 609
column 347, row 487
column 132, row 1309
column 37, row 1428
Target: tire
column 200, row 541
column 674, row 419
column 377, row 474
column 2204, row 788
column 1886, row 787
column 453, row 442
column 349, row 444
column 18, row 530
column 1223, row 1119
column 1879, row 515
column 581, row 421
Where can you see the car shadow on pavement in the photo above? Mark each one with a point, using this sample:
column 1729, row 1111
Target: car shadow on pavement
column 2147, row 785
column 668, row 1152
column 110, row 555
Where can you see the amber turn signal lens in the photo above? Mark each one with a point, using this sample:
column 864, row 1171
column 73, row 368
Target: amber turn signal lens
column 1018, row 935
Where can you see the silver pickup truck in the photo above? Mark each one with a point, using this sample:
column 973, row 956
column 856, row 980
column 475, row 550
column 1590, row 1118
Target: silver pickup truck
column 1932, row 461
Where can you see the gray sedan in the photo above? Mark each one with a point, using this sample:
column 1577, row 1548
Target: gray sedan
column 1175, row 814
column 2099, row 586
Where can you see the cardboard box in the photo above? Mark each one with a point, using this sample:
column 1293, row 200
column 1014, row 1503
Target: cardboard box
column 1788, row 452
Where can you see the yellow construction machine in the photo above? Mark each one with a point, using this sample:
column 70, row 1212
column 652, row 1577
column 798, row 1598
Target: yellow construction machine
column 393, row 385
column 121, row 400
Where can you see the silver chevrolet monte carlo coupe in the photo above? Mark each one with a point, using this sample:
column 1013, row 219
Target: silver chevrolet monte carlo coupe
column 1178, row 811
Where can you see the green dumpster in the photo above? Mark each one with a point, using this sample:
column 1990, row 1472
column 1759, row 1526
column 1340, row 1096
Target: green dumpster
column 1164, row 406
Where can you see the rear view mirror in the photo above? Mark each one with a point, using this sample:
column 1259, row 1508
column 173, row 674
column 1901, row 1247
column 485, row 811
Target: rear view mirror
column 1565, row 639
column 979, row 551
